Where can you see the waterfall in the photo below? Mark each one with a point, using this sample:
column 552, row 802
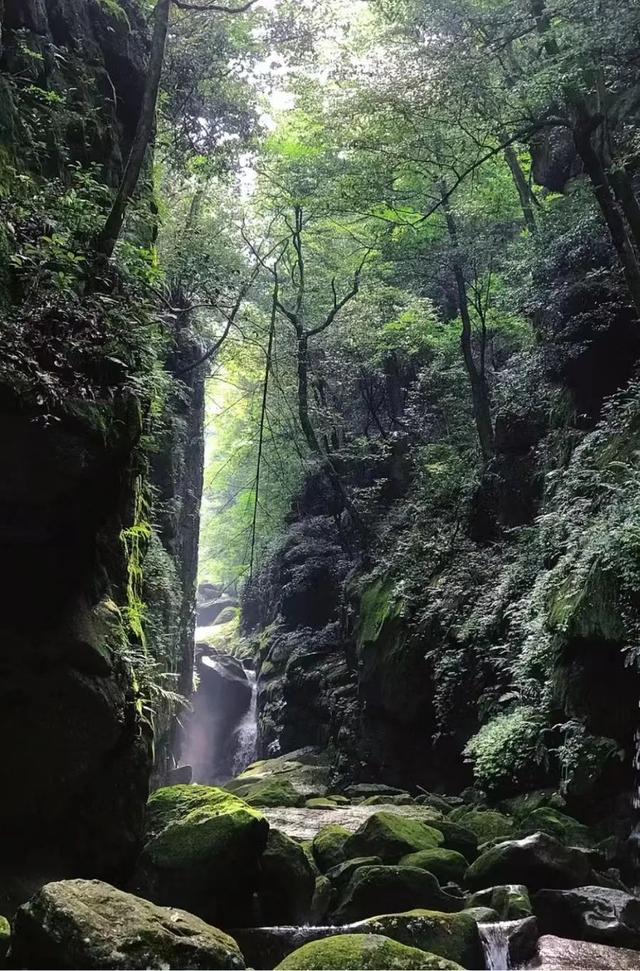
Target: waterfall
column 495, row 944
column 247, row 731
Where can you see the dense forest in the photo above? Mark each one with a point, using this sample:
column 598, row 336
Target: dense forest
column 320, row 492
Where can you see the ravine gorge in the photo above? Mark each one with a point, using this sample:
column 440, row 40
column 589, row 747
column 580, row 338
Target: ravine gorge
column 320, row 484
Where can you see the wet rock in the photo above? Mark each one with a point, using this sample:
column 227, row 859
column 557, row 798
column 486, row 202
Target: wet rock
column 303, row 824
column 201, row 852
column 361, row 951
column 294, row 777
column 89, row 924
column 390, row 837
column 597, row 914
column 211, row 612
column 322, row 901
column 458, row 837
column 362, row 790
column 510, row 902
column 446, row 865
column 509, row 944
column 559, row 954
column 535, row 861
column 287, row 882
column 384, row 889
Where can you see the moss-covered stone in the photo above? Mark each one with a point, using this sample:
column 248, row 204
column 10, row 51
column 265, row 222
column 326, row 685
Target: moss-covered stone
column 329, row 846
column 555, row 823
column 202, row 851
column 322, row 901
column 451, row 936
column 191, row 826
column 458, row 837
column 287, row 881
column 273, row 792
column 341, row 874
column 387, row 889
column 89, row 924
column 535, row 861
column 487, row 824
column 5, row 937
column 361, row 951
column 402, row 799
column 447, row 865
column 390, row 837
column 321, row 802
column 510, row 902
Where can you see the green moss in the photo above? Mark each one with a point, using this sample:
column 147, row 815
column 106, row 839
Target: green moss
column 551, row 821
column 487, row 824
column 329, row 846
column 390, row 889
column 361, row 951
column 458, row 837
column 446, row 865
column 450, row 936
column 193, row 825
column 5, row 936
column 390, row 837
column 321, row 802
column 377, row 607
column 273, row 792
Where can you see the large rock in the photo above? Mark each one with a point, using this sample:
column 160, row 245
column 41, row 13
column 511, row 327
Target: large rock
column 292, row 778
column 451, row 936
column 551, row 821
column 487, row 824
column 458, row 837
column 202, row 852
column 535, row 861
column 88, row 924
column 361, row 951
column 447, row 865
column 559, row 954
column 590, row 913
column 510, row 902
column 287, row 882
column 329, row 847
column 385, row 889
column 221, row 699
column 390, row 837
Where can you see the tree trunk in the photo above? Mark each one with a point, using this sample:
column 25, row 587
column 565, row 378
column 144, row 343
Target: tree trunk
column 108, row 237
column 623, row 187
column 595, row 170
column 303, row 391
column 524, row 190
column 477, row 379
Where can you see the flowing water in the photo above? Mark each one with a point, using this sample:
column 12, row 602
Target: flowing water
column 247, row 731
column 495, row 944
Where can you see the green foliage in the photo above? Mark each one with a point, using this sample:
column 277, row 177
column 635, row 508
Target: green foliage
column 507, row 752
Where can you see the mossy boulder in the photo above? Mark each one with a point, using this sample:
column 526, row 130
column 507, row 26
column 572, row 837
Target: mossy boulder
column 201, row 852
column 305, row 771
column 536, row 861
column 89, row 924
column 322, row 901
column 458, row 837
column 328, row 847
column 404, row 799
column 447, row 865
column 487, row 824
column 390, row 837
column 321, row 802
column 273, row 792
column 386, row 889
column 341, row 874
column 287, row 881
column 5, row 937
column 555, row 823
column 361, row 951
column 510, row 902
column 451, row 936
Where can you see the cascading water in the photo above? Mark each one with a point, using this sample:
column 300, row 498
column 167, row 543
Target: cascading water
column 247, row 731
column 495, row 944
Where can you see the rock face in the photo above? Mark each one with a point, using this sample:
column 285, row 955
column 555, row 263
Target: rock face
column 89, row 924
column 201, row 852
column 287, row 882
column 358, row 951
column 558, row 954
column 596, row 914
column 220, row 701
column 536, row 861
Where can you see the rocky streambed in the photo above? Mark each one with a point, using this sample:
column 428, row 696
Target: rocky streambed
column 278, row 870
